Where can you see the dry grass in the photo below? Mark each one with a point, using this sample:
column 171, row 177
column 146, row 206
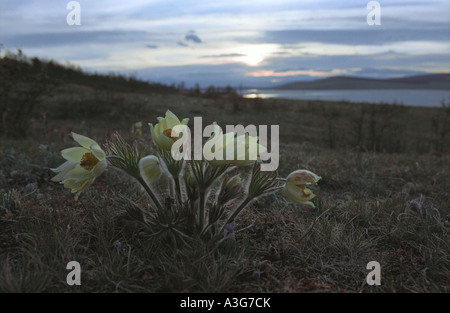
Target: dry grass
column 383, row 196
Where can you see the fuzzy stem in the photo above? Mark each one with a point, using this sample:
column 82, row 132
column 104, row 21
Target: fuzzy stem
column 236, row 212
column 202, row 206
column 150, row 193
column 178, row 188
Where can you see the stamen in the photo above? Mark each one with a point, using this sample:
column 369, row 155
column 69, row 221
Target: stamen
column 305, row 192
column 305, row 195
column 88, row 161
column 168, row 132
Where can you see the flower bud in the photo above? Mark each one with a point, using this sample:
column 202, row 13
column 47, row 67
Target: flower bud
column 149, row 168
column 231, row 189
column 295, row 187
column 234, row 183
column 137, row 127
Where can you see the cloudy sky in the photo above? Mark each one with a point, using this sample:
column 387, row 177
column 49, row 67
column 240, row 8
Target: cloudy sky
column 220, row 42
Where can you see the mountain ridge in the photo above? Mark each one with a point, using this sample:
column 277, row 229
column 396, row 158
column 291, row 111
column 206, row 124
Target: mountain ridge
column 427, row 81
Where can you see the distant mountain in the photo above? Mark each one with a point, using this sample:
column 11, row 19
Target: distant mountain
column 430, row 81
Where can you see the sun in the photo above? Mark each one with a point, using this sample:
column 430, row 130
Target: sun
column 253, row 55
column 252, row 59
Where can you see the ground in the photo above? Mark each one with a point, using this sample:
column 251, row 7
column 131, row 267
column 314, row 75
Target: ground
column 383, row 196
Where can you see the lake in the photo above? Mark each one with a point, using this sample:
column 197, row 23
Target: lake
column 411, row 97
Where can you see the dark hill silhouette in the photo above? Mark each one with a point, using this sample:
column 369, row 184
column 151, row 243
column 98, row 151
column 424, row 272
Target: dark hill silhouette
column 431, row 81
column 15, row 67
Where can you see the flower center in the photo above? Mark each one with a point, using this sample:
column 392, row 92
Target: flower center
column 88, row 161
column 168, row 132
column 305, row 194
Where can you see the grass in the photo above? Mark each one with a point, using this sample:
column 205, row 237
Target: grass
column 383, row 197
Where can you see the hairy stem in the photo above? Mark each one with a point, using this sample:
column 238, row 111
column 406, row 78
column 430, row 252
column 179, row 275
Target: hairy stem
column 178, row 188
column 236, row 212
column 150, row 193
column 202, row 206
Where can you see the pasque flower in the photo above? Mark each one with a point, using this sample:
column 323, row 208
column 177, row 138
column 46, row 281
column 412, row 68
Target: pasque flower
column 149, row 168
column 218, row 150
column 227, row 149
column 84, row 164
column 162, row 132
column 247, row 150
column 296, row 183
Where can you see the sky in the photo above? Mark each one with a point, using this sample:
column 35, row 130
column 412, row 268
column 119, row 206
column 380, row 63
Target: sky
column 239, row 43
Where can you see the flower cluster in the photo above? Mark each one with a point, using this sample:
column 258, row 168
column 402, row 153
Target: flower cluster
column 196, row 210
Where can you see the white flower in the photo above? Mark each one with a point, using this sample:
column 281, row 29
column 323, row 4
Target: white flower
column 84, row 164
column 162, row 132
column 227, row 149
column 295, row 187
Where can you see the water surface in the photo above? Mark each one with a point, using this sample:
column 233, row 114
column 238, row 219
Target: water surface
column 412, row 97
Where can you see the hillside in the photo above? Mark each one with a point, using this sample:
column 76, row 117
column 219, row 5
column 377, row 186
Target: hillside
column 431, row 81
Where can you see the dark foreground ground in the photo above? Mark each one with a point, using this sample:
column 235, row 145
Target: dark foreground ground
column 384, row 196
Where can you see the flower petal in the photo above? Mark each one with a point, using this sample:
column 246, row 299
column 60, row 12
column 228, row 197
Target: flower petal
column 168, row 122
column 62, row 170
column 171, row 120
column 98, row 152
column 157, row 130
column 152, row 132
column 63, row 166
column 303, row 177
column 297, row 194
column 74, row 154
column 165, row 142
column 84, row 141
column 99, row 168
column 79, row 173
column 77, row 187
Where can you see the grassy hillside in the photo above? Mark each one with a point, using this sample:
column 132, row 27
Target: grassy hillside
column 383, row 196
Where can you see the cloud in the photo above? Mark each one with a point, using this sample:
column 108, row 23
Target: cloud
column 76, row 38
column 370, row 36
column 225, row 55
column 316, row 62
column 282, row 40
column 312, row 73
column 387, row 62
column 205, row 75
column 191, row 36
